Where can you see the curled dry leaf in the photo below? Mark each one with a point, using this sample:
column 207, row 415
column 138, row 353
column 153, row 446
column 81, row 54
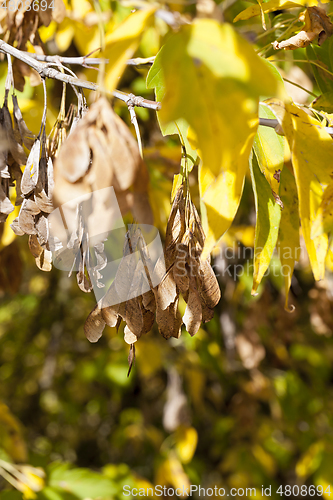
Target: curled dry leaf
column 317, row 25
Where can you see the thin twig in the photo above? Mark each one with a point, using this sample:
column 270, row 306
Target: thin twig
column 43, row 124
column 9, row 79
column 273, row 123
column 134, row 122
column 47, row 72
column 87, row 61
column 300, row 87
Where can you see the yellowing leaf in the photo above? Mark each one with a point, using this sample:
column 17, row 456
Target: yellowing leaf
column 186, row 443
column 171, row 472
column 311, row 460
column 324, row 219
column 122, row 43
column 11, row 439
column 220, row 105
column 267, row 225
column 272, row 6
column 306, row 137
column 269, row 149
column 288, row 241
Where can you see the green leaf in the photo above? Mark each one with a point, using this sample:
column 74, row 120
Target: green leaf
column 323, row 67
column 220, row 105
column 269, row 149
column 267, row 224
column 80, row 482
column 56, row 494
column 11, row 495
column 288, row 241
column 324, row 102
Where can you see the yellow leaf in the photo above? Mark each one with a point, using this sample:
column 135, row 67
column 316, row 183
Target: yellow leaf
column 186, row 443
column 11, row 439
column 220, row 104
column 171, row 472
column 86, row 38
column 273, row 5
column 64, row 34
column 324, row 219
column 122, row 43
column 177, row 180
column 311, row 460
column 306, row 137
column 288, row 241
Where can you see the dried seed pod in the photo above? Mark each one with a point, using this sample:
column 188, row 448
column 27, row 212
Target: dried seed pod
column 166, row 292
column 30, row 174
column 94, row 325
column 180, row 272
column 20, row 127
column 42, row 256
column 208, row 286
column 14, row 147
column 193, row 312
column 169, row 321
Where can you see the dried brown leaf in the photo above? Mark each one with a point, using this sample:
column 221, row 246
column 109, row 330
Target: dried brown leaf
column 317, row 25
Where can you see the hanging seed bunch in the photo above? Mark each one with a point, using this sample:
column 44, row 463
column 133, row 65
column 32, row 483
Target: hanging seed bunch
column 19, row 25
column 91, row 159
column 186, row 273
column 132, row 297
column 36, row 191
column 13, row 135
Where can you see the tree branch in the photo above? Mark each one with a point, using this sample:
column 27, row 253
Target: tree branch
column 87, row 61
column 47, row 72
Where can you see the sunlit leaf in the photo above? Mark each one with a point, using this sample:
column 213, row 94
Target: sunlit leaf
column 186, row 443
column 306, row 136
column 324, row 219
column 272, row 6
column 121, row 44
column 220, row 106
